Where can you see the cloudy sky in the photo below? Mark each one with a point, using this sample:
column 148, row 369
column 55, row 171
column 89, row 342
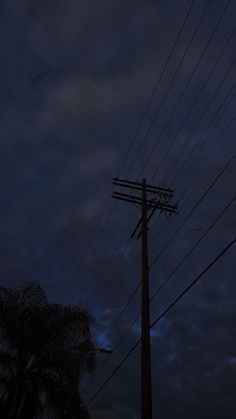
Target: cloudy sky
column 91, row 90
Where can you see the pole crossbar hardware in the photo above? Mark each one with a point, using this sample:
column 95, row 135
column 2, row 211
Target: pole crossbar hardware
column 168, row 193
column 148, row 205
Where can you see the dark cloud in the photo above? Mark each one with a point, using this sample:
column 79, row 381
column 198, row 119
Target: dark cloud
column 75, row 78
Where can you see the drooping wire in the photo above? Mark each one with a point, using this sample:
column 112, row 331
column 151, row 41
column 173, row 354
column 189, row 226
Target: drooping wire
column 177, row 267
column 169, row 307
column 222, row 136
column 143, row 143
column 211, row 35
column 157, row 84
column 198, row 143
column 208, row 104
column 196, row 205
column 78, row 266
column 190, row 109
column 212, row 225
column 184, row 90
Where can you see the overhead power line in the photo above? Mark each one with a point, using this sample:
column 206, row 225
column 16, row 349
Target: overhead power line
column 169, row 307
column 210, row 154
column 203, row 113
column 218, row 176
column 209, row 266
column 169, row 87
column 209, row 126
column 212, row 225
column 91, row 239
column 89, row 262
column 190, row 109
column 157, row 291
column 156, row 86
column 185, row 88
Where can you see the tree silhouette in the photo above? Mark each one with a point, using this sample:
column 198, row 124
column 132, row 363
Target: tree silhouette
column 44, row 350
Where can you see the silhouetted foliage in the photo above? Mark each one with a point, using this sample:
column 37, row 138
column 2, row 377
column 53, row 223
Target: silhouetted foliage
column 45, row 348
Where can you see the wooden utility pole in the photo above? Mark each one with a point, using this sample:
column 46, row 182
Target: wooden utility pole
column 146, row 382
column 148, row 207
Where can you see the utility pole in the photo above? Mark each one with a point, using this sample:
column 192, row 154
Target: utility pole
column 148, row 207
column 146, row 382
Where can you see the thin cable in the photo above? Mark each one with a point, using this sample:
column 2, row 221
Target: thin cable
column 106, row 296
column 180, row 227
column 75, row 272
column 177, row 231
column 200, row 140
column 168, row 89
column 222, row 136
column 202, row 115
column 194, row 102
column 114, row 349
column 194, row 282
column 137, row 131
column 185, row 87
column 87, row 286
column 76, row 269
column 169, row 276
column 156, row 86
column 208, row 40
column 170, row 306
column 212, row 225
column 218, row 176
column 188, row 253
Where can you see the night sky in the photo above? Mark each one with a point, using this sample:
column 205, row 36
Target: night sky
column 76, row 78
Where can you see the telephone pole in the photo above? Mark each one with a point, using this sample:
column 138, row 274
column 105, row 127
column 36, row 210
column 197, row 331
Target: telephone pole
column 159, row 200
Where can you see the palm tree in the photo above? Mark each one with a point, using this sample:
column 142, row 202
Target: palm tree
column 44, row 350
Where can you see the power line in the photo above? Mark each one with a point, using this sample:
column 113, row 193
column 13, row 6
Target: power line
column 173, row 50
column 128, row 300
column 114, row 280
column 73, row 279
column 220, row 138
column 194, row 246
column 204, row 132
column 200, row 324
column 133, row 323
column 212, row 225
column 156, row 85
column 194, row 102
column 115, row 371
column 203, row 113
column 114, row 349
column 75, row 272
column 168, row 89
column 169, row 307
column 194, row 282
column 111, row 257
column 177, row 231
column 195, row 207
column 190, row 230
column 76, row 269
column 185, row 87
column 182, row 224
column 204, row 50
column 131, row 297
column 95, row 268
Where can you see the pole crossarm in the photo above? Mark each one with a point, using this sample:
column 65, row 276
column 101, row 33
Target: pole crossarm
column 164, row 192
column 151, row 204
